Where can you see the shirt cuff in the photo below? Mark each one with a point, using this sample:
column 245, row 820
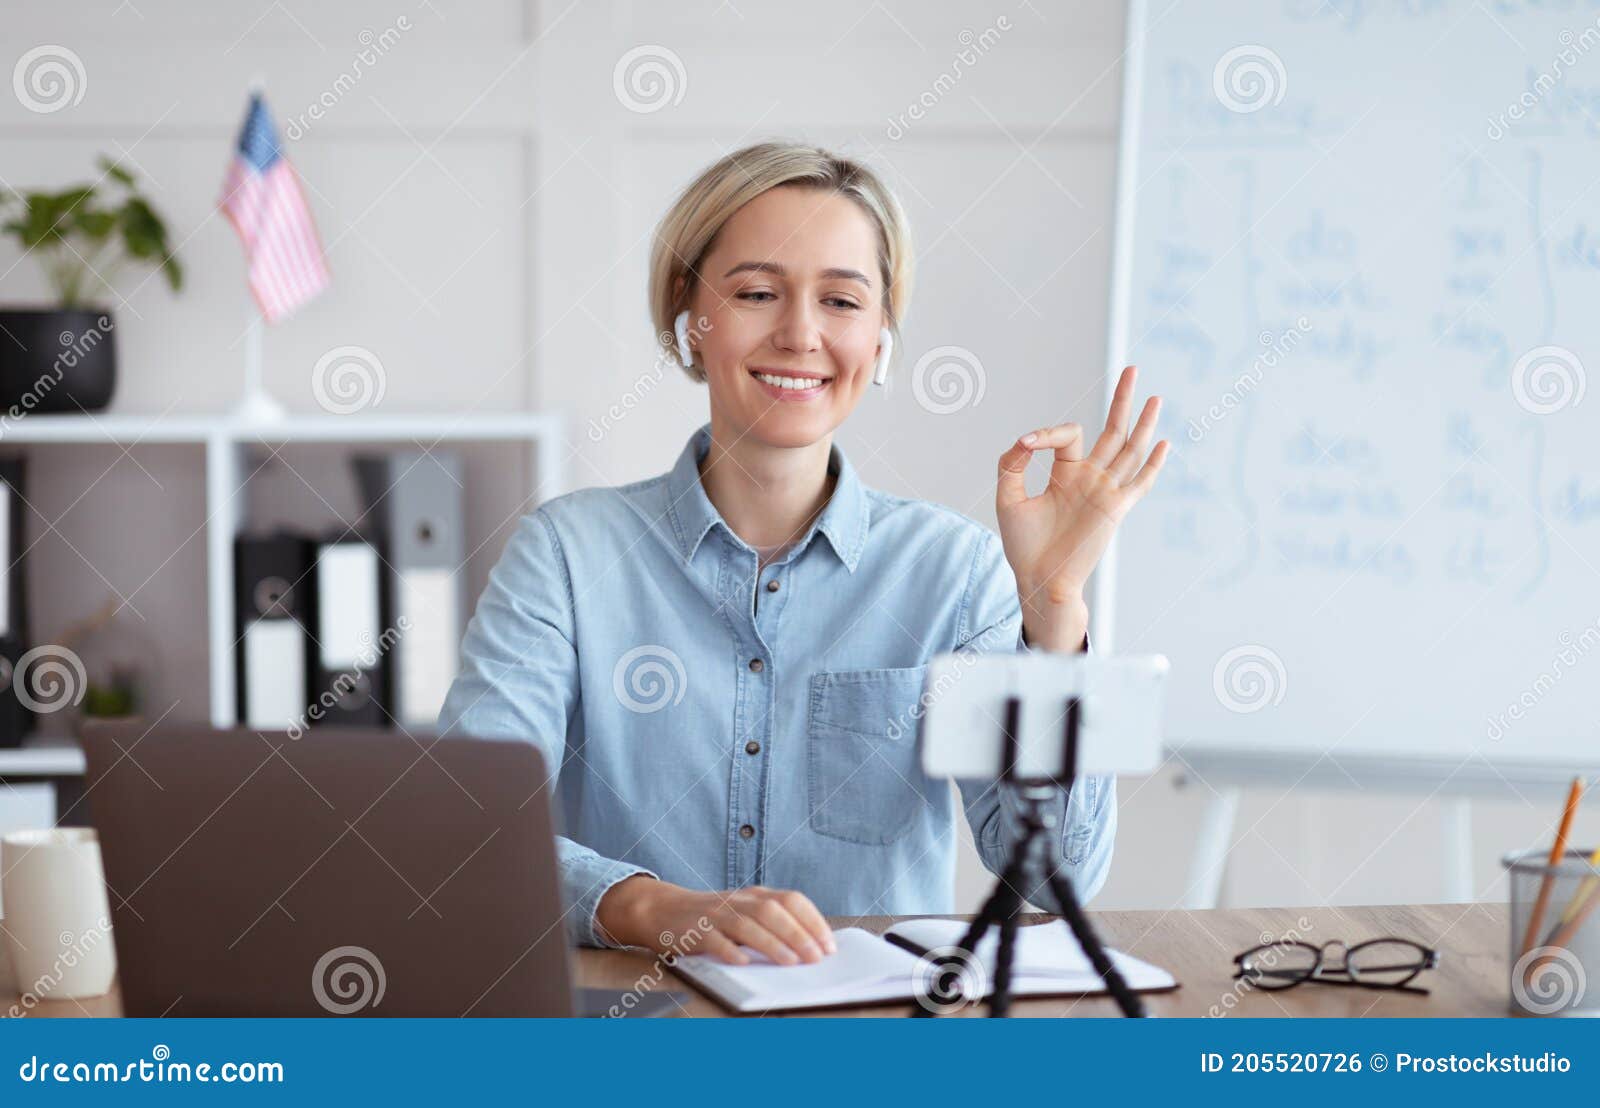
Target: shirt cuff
column 1023, row 647
column 593, row 878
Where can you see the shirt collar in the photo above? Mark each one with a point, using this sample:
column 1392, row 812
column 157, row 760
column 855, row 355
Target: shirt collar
column 843, row 520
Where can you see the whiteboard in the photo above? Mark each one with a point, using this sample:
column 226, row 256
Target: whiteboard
column 1359, row 255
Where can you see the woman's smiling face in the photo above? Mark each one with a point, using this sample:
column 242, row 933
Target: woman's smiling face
column 787, row 315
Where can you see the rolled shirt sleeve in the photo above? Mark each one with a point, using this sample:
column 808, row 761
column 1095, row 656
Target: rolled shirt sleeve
column 1085, row 821
column 519, row 680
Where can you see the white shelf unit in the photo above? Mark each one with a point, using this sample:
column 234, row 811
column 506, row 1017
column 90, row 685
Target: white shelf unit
column 227, row 441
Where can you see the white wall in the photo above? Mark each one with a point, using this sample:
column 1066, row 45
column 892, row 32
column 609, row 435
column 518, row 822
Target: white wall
column 487, row 200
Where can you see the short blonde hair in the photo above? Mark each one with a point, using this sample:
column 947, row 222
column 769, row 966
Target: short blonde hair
column 686, row 233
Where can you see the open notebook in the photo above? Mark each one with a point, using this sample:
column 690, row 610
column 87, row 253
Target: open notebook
column 871, row 969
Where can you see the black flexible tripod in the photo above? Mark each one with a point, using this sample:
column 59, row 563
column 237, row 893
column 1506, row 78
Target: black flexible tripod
column 1005, row 902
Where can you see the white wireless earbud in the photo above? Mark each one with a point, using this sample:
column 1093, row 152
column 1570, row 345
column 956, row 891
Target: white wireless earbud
column 880, row 373
column 680, row 327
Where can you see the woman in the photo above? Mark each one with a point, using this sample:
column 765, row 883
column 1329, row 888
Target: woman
column 725, row 661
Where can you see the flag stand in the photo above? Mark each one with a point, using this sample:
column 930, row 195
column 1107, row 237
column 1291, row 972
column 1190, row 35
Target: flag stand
column 256, row 405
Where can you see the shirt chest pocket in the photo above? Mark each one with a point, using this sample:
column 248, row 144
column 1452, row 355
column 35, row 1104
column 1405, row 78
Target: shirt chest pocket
column 865, row 781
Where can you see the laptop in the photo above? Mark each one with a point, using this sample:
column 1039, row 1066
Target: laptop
column 345, row 872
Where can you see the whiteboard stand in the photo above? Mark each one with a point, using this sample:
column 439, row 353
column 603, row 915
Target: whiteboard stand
column 1456, row 783
column 1213, row 840
column 1458, row 850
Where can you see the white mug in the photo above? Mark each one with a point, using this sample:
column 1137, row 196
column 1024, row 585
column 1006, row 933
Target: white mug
column 57, row 917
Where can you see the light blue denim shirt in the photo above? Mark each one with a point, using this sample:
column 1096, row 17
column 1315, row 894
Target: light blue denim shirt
column 719, row 727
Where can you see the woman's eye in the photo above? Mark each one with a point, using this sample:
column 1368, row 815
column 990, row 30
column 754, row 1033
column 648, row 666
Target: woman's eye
column 753, row 295
column 841, row 302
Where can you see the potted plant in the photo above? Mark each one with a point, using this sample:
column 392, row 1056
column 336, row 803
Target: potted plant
column 63, row 358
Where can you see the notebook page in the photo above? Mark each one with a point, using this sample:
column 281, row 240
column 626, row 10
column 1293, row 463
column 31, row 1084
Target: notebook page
column 864, row 968
column 1041, row 948
column 1046, row 954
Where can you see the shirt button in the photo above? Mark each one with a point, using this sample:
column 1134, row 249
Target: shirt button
column 752, row 747
column 772, row 585
column 746, row 831
column 755, row 665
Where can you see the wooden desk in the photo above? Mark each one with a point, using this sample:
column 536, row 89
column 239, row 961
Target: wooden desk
column 1198, row 947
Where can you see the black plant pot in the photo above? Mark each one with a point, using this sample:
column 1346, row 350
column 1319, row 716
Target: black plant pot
column 57, row 360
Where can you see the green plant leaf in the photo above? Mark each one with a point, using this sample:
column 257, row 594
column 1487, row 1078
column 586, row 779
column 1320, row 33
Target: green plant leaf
column 74, row 230
column 115, row 172
column 95, row 224
column 143, row 235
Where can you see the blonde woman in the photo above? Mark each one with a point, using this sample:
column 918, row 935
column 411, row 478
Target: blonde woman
column 724, row 661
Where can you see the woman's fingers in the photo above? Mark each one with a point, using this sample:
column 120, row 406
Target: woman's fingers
column 724, row 949
column 1124, row 465
column 1147, row 473
column 1111, row 440
column 810, row 918
column 1011, row 486
column 750, row 931
column 775, row 916
column 1066, row 439
column 780, row 923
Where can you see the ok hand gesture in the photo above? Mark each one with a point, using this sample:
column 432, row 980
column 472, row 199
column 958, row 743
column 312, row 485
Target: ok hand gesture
column 1054, row 540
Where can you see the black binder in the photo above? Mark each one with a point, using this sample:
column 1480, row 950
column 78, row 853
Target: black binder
column 272, row 609
column 16, row 721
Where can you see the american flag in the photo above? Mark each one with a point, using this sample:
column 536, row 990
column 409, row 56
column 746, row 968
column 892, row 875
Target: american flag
column 263, row 201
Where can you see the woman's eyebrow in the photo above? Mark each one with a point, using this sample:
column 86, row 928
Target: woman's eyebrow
column 779, row 270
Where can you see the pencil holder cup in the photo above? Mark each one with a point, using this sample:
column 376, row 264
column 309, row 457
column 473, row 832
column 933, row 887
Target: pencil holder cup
column 1555, row 934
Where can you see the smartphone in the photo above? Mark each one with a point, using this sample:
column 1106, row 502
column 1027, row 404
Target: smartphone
column 1118, row 703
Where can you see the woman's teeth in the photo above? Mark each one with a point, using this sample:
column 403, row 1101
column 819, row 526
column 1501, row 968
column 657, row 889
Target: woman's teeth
column 790, row 382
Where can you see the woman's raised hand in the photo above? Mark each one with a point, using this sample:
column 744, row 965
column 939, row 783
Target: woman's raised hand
column 1054, row 540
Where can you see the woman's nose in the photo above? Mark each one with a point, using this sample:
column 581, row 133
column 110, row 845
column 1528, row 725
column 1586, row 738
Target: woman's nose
column 797, row 330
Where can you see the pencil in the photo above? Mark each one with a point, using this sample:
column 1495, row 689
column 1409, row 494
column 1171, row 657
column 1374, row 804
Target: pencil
column 1583, row 890
column 1562, row 933
column 1557, row 850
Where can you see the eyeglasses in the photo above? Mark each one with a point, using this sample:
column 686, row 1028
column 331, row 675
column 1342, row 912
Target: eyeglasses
column 1376, row 964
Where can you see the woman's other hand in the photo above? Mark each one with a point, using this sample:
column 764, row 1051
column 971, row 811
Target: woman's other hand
column 782, row 924
column 1054, row 540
